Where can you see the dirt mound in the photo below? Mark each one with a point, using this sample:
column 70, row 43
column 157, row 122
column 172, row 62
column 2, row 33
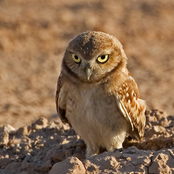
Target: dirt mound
column 34, row 35
column 50, row 146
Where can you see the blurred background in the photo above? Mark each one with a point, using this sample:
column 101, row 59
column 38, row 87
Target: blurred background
column 34, row 35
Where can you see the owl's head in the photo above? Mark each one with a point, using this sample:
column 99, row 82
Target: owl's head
column 92, row 55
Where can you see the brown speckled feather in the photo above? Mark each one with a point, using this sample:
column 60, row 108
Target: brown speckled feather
column 132, row 107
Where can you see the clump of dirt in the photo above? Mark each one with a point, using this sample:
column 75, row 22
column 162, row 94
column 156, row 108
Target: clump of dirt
column 51, row 146
column 158, row 132
column 34, row 35
column 35, row 148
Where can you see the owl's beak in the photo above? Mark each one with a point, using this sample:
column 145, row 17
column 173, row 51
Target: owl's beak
column 88, row 71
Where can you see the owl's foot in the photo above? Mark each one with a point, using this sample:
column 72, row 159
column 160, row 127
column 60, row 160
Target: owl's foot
column 91, row 151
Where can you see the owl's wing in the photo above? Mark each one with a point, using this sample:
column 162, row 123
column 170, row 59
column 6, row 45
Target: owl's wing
column 132, row 107
column 60, row 110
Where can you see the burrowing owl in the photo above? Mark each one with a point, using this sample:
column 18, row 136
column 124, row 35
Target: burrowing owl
column 96, row 93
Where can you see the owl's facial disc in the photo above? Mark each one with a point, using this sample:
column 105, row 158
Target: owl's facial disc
column 88, row 71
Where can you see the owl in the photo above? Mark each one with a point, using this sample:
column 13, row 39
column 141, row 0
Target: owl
column 97, row 95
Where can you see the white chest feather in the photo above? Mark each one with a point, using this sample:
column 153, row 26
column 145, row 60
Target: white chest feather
column 94, row 115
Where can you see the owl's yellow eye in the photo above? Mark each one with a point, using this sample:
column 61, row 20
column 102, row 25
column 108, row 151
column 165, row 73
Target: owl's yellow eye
column 103, row 58
column 76, row 58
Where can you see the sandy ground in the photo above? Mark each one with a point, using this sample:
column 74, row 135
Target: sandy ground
column 34, row 35
column 52, row 147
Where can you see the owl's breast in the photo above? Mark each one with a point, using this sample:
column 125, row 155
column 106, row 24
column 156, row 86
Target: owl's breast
column 93, row 108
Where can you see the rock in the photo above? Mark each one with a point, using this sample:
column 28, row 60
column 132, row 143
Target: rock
column 23, row 131
column 5, row 162
column 71, row 165
column 128, row 160
column 58, row 150
column 7, row 128
column 12, row 166
column 162, row 162
column 55, row 154
column 24, row 172
column 4, row 138
column 159, row 129
column 40, row 123
column 102, row 163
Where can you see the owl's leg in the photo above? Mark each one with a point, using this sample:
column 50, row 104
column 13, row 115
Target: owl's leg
column 111, row 148
column 116, row 142
column 91, row 151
